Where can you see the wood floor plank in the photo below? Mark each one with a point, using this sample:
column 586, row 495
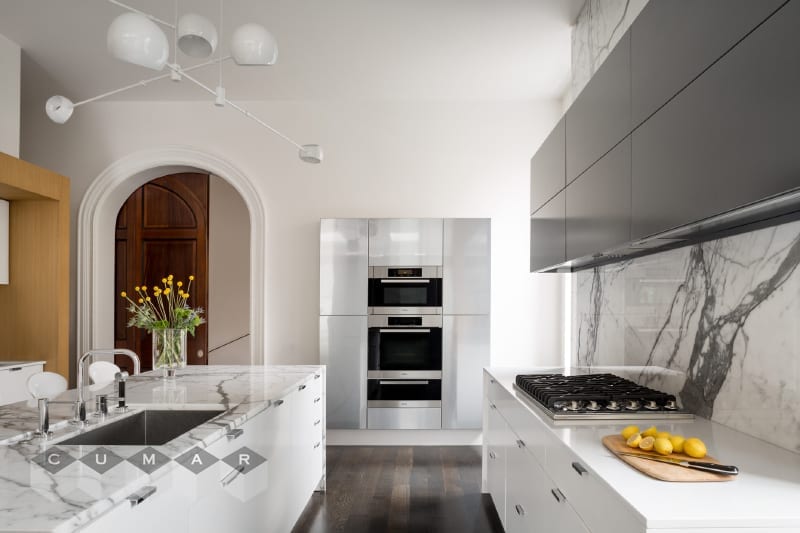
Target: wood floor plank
column 399, row 489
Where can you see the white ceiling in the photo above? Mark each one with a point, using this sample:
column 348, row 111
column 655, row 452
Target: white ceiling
column 329, row 49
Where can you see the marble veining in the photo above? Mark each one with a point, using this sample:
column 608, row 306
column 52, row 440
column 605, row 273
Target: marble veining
column 33, row 499
column 723, row 313
column 600, row 25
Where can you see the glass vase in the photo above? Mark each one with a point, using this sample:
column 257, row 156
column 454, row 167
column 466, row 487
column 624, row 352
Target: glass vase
column 169, row 350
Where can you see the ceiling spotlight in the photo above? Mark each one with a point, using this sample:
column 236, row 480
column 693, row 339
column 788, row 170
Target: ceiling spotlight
column 134, row 38
column 252, row 44
column 59, row 108
column 197, row 36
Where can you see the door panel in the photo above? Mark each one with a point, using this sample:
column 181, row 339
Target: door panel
column 405, row 242
column 466, row 352
column 466, row 269
column 343, row 268
column 162, row 229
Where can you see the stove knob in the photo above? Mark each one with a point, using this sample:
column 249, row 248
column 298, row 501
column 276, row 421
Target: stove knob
column 651, row 405
column 633, row 405
column 671, row 405
column 612, row 405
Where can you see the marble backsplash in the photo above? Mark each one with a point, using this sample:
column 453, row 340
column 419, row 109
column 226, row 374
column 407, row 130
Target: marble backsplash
column 600, row 25
column 725, row 314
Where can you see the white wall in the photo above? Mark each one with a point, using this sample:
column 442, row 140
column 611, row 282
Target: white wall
column 9, row 96
column 228, row 275
column 383, row 159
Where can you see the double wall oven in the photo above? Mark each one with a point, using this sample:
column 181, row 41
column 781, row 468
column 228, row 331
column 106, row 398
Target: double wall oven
column 404, row 367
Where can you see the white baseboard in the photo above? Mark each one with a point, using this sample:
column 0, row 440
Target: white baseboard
column 401, row 437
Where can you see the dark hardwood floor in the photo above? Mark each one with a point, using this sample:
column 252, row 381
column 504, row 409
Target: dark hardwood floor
column 393, row 489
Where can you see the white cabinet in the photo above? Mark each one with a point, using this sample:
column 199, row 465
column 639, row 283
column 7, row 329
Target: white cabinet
column 405, row 242
column 14, row 381
column 497, row 439
column 465, row 351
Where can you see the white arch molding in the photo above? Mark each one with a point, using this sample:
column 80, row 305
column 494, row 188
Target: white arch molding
column 97, row 219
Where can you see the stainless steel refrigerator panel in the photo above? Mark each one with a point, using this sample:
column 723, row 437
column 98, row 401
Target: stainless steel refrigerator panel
column 405, row 242
column 466, row 275
column 343, row 267
column 404, row 418
column 343, row 348
column 465, row 353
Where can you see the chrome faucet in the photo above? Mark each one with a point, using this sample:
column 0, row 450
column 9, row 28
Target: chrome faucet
column 43, row 429
column 80, row 414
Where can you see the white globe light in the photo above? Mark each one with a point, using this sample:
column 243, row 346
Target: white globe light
column 311, row 153
column 197, row 36
column 134, row 38
column 252, row 44
column 59, row 108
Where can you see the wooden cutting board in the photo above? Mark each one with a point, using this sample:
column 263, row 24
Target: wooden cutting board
column 662, row 471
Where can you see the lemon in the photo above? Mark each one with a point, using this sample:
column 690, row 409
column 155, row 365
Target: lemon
column 634, row 440
column 694, row 447
column 647, row 443
column 677, row 443
column 628, row 431
column 652, row 431
column 663, row 446
column 663, row 435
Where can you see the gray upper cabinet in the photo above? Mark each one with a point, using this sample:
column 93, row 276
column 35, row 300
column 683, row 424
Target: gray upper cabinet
column 343, row 268
column 466, row 268
column 405, row 242
column 548, row 167
column 548, row 234
column 599, row 204
column 728, row 139
column 601, row 115
column 673, row 42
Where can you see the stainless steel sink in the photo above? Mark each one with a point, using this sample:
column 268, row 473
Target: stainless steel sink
column 148, row 428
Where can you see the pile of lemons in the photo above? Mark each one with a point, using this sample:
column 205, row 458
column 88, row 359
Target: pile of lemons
column 663, row 442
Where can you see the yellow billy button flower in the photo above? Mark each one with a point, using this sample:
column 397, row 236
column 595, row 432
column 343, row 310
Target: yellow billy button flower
column 170, row 277
column 144, row 288
column 164, row 280
column 185, row 295
column 180, row 284
column 141, row 300
column 136, row 289
column 123, row 294
column 191, row 278
column 167, row 290
column 147, row 299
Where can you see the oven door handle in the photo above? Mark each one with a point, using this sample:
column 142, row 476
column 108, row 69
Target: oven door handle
column 404, row 330
column 406, row 280
column 405, row 382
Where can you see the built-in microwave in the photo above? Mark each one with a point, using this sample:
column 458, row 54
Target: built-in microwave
column 406, row 290
column 404, row 344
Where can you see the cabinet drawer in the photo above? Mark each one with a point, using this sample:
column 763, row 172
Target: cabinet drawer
column 14, row 383
column 600, row 508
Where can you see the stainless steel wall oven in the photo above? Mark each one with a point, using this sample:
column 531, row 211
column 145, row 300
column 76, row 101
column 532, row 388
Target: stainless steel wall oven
column 414, row 290
column 405, row 343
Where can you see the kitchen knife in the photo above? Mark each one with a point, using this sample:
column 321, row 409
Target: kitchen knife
column 729, row 470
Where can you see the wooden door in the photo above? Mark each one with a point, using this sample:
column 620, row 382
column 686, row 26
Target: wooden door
column 162, row 229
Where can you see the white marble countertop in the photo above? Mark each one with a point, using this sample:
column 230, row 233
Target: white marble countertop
column 32, row 499
column 766, row 493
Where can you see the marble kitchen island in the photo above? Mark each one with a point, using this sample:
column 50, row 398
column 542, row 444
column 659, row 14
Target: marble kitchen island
column 274, row 414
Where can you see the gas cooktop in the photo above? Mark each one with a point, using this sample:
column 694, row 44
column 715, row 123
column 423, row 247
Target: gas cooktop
column 597, row 396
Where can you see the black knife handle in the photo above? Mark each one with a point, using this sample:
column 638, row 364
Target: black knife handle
column 713, row 467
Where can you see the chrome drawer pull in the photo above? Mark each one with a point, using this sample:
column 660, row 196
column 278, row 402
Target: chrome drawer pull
column 317, row 399
column 520, row 510
column 301, row 387
column 558, row 495
column 233, row 474
column 579, row 468
column 491, row 381
column 520, row 444
column 278, row 403
column 141, row 495
column 235, row 433
column 492, row 455
column 493, row 406
column 317, row 422
column 317, row 376
column 317, row 445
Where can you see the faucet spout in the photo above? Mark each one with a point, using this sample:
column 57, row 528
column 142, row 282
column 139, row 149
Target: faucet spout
column 137, row 367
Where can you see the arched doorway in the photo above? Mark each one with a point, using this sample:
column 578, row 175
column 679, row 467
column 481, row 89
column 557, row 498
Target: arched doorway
column 96, row 222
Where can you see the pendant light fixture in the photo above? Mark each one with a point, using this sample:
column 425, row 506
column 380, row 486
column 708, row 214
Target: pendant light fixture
column 137, row 37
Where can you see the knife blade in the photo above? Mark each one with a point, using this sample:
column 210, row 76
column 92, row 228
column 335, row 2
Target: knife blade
column 729, row 470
